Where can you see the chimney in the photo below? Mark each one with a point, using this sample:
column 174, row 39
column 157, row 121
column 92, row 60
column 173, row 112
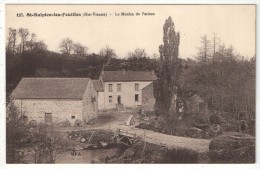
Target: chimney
column 123, row 71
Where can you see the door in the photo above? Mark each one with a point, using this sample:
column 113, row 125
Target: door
column 48, row 118
column 119, row 99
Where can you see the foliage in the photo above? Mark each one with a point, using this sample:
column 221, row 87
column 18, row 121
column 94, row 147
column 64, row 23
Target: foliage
column 138, row 53
column 66, row 46
column 107, row 54
column 168, row 75
column 22, row 135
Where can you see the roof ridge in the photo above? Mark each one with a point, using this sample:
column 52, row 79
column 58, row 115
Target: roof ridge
column 56, row 78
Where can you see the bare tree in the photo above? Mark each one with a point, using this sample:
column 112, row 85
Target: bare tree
column 138, row 53
column 79, row 49
column 107, row 53
column 11, row 41
column 66, row 46
column 204, row 50
column 24, row 33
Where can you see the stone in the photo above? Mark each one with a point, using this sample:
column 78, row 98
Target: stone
column 194, row 132
column 232, row 147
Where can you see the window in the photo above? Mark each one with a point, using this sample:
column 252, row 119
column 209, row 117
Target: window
column 48, row 118
column 93, row 99
column 72, row 117
column 136, row 87
column 201, row 107
column 136, row 97
column 119, row 87
column 110, row 99
column 110, row 87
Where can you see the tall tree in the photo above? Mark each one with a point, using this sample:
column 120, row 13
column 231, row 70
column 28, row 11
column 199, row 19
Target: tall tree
column 204, row 50
column 24, row 33
column 11, row 41
column 66, row 46
column 165, row 87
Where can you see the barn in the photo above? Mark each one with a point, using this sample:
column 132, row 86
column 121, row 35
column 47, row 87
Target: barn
column 56, row 100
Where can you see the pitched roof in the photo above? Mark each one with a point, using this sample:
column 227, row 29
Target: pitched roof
column 51, row 88
column 197, row 98
column 98, row 85
column 127, row 76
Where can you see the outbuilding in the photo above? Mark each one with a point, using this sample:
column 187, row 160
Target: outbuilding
column 56, row 100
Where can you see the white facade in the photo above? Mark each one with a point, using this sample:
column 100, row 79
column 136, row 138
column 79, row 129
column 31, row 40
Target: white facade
column 130, row 95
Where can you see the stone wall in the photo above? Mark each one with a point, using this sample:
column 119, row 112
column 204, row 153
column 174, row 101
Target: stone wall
column 60, row 109
column 148, row 99
column 90, row 105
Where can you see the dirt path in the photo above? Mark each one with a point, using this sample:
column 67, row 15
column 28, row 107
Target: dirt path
column 117, row 121
column 198, row 145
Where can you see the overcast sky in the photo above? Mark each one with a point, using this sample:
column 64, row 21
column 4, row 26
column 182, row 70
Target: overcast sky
column 233, row 24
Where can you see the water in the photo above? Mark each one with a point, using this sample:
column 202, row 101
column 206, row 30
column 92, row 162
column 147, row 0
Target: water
column 86, row 156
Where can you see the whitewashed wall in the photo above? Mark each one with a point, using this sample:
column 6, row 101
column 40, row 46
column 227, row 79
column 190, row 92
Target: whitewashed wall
column 101, row 101
column 127, row 94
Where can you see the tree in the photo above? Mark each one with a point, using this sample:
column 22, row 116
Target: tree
column 138, row 53
column 80, row 50
column 165, row 87
column 66, row 46
column 20, row 133
column 11, row 41
column 204, row 50
column 24, row 33
column 31, row 42
column 107, row 53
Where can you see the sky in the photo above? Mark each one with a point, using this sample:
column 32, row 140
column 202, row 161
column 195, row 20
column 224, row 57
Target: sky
column 233, row 24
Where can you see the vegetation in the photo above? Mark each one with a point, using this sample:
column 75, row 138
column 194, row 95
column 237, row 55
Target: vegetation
column 24, row 137
column 223, row 78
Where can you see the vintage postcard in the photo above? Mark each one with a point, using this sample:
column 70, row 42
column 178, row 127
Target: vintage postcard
column 130, row 84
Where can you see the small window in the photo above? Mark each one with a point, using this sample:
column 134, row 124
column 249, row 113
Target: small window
column 72, row 117
column 136, row 87
column 136, row 97
column 110, row 87
column 119, row 87
column 93, row 99
column 110, row 99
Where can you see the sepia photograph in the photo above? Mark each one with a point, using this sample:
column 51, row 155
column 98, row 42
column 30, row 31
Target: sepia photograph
column 130, row 83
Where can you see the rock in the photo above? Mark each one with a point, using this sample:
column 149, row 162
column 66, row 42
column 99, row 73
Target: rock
column 194, row 132
column 103, row 144
column 83, row 139
column 127, row 154
column 145, row 118
column 232, row 147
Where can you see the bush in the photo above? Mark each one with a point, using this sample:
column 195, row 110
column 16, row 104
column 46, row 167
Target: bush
column 78, row 123
column 65, row 123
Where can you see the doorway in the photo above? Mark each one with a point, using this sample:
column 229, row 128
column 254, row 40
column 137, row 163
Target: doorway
column 48, row 118
column 118, row 99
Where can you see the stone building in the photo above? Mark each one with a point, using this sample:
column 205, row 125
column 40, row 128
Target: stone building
column 55, row 100
column 148, row 99
column 123, row 88
column 196, row 104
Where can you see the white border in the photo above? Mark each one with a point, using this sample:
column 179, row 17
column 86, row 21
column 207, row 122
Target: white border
column 117, row 166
